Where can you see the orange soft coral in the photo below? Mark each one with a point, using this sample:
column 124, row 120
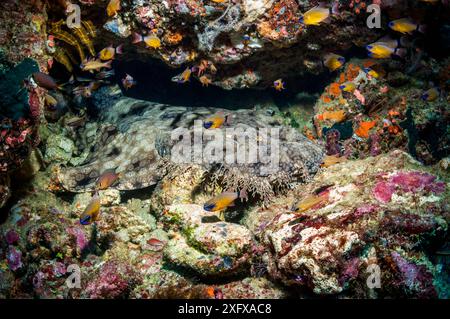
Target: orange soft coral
column 334, row 89
column 352, row 71
column 326, row 99
column 336, row 116
column 364, row 128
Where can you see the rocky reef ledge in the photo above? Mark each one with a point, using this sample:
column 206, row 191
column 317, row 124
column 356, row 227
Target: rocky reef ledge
column 388, row 211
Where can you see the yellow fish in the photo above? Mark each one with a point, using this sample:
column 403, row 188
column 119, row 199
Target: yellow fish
column 372, row 73
column 107, row 179
column 309, row 202
column 380, row 50
column 222, row 201
column 333, row 61
column 332, row 160
column 348, row 87
column 183, row 77
column 205, row 81
column 152, row 41
column 317, row 15
column 110, row 52
column 216, row 121
column 406, row 26
column 92, row 65
column 430, row 95
column 92, row 211
column 278, row 85
column 113, row 7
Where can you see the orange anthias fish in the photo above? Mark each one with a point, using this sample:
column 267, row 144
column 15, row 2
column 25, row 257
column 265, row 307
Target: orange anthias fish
column 113, row 7
column 222, row 201
column 278, row 85
column 217, row 120
column 364, row 128
column 337, row 116
column 107, row 179
column 92, row 211
column 309, row 201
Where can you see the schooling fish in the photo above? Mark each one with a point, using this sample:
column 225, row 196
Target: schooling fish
column 92, row 211
column 93, row 65
column 105, row 74
column 279, row 85
column 333, row 61
column 318, row 14
column 107, row 179
column 128, row 82
column 110, row 52
column 430, row 95
column 216, row 121
column 406, row 26
column 183, row 77
column 152, row 41
column 332, row 160
column 113, row 7
column 381, row 50
column 348, row 87
column 373, row 73
column 309, row 202
column 224, row 200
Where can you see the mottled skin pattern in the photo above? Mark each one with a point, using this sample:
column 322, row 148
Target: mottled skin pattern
column 134, row 138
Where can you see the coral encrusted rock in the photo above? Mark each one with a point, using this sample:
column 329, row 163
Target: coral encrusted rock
column 388, row 211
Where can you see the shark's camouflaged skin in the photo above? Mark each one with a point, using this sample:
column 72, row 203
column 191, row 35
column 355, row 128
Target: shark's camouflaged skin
column 134, row 137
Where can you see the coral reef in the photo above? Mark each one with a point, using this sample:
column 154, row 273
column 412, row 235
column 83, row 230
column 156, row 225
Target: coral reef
column 209, row 248
column 120, row 183
column 383, row 210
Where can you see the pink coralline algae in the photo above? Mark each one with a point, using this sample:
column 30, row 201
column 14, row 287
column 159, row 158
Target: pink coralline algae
column 113, row 281
column 35, row 104
column 415, row 277
column 14, row 258
column 80, row 236
column 407, row 182
column 375, row 147
column 351, row 270
column 12, row 237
